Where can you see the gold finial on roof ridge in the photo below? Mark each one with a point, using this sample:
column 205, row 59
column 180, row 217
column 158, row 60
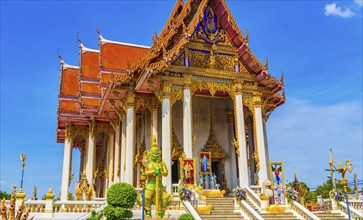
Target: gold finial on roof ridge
column 246, row 38
column 265, row 65
column 99, row 34
column 61, row 62
column 79, row 40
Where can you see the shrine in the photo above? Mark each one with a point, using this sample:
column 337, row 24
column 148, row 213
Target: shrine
column 198, row 88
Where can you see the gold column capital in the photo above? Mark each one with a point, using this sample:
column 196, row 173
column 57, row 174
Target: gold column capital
column 92, row 125
column 68, row 130
column 187, row 81
column 257, row 100
column 130, row 100
column 238, row 88
column 166, row 89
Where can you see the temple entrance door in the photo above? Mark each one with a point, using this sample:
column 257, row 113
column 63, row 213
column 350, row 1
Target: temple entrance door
column 175, row 171
column 216, row 170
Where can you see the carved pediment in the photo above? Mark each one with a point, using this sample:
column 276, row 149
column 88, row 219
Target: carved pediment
column 214, row 147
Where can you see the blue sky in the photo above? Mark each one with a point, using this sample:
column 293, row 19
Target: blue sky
column 317, row 44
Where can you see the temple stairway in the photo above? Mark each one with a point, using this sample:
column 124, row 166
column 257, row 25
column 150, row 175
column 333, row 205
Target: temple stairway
column 328, row 216
column 285, row 216
column 222, row 209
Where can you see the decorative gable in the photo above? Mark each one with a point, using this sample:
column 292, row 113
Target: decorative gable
column 209, row 47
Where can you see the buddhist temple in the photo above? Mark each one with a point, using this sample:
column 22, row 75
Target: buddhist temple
column 197, row 88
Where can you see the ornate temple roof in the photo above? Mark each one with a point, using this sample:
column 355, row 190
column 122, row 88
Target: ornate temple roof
column 87, row 91
column 82, row 88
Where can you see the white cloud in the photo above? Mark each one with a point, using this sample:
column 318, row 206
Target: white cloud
column 333, row 9
column 2, row 182
column 359, row 2
column 300, row 134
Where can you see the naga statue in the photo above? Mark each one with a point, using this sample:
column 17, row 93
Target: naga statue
column 155, row 193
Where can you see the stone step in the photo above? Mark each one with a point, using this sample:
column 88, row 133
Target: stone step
column 219, row 208
column 220, row 201
column 326, row 216
column 221, row 216
column 224, row 204
column 221, row 211
column 285, row 216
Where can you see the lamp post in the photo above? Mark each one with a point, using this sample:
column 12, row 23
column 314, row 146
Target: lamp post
column 347, row 166
column 22, row 158
column 331, row 166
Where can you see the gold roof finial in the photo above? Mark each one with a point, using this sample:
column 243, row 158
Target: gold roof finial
column 99, row 34
column 155, row 37
column 283, row 84
column 282, row 78
column 266, row 64
column 79, row 40
column 246, row 37
column 61, row 62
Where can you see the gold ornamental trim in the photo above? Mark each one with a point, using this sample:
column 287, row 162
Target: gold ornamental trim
column 177, row 149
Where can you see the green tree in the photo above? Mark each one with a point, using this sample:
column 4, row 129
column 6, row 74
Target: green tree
column 327, row 187
column 5, row 195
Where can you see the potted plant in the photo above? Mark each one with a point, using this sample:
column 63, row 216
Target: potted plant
column 292, row 195
column 239, row 194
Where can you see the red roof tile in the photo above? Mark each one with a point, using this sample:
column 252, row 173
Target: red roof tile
column 70, row 82
column 90, row 64
column 120, row 56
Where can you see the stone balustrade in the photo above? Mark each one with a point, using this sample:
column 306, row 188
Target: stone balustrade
column 302, row 211
column 248, row 212
column 357, row 204
column 354, row 213
column 255, row 199
column 256, row 189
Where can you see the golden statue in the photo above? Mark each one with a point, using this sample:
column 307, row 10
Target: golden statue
column 155, row 193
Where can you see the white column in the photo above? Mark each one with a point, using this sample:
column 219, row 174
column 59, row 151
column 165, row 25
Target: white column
column 154, row 122
column 261, row 146
column 232, row 151
column 166, row 142
column 66, row 168
column 241, row 138
column 111, row 139
column 123, row 150
column 187, row 124
column 116, row 170
column 130, row 139
column 90, row 158
column 251, row 148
